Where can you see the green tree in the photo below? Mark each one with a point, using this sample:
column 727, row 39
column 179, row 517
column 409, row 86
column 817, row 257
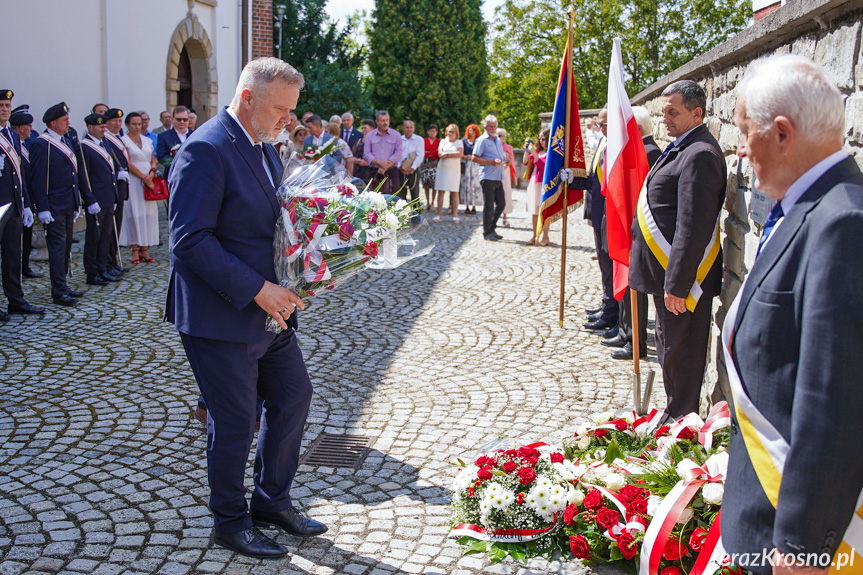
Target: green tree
column 328, row 57
column 657, row 36
column 428, row 60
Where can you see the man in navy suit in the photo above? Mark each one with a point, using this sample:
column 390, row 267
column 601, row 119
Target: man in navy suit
column 350, row 134
column 175, row 136
column 55, row 193
column 223, row 285
column 22, row 123
column 793, row 336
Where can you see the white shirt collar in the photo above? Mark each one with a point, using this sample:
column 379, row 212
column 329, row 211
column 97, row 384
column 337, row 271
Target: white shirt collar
column 89, row 135
column 233, row 114
column 804, row 182
column 680, row 139
column 54, row 135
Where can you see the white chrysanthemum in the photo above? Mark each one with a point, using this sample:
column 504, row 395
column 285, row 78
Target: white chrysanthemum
column 508, row 497
column 485, row 506
column 493, row 488
column 614, row 481
column 544, row 482
column 557, row 503
column 566, row 470
column 465, row 478
column 558, row 491
column 713, row 493
column 574, row 495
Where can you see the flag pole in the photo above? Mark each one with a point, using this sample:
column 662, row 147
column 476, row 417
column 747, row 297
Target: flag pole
column 566, row 159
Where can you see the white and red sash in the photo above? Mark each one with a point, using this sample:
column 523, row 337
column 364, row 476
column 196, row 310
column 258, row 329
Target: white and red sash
column 99, row 150
column 119, row 143
column 10, row 151
column 63, row 148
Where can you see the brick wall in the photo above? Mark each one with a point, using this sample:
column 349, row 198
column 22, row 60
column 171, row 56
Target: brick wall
column 262, row 28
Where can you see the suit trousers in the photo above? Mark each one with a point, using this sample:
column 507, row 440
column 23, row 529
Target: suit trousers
column 391, row 181
column 494, row 199
column 10, row 246
column 231, row 376
column 118, row 225
column 681, row 346
column 411, row 184
column 26, row 248
column 97, row 242
column 626, row 318
column 610, row 307
column 59, row 241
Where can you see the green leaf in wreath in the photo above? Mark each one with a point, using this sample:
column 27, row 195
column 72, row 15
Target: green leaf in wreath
column 612, row 452
column 518, row 553
column 497, row 552
column 616, row 555
column 476, row 546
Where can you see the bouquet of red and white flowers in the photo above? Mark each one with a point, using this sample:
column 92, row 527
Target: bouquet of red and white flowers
column 328, row 230
column 314, row 153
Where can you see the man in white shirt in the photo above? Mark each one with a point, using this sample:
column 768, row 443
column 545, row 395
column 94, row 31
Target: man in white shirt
column 413, row 151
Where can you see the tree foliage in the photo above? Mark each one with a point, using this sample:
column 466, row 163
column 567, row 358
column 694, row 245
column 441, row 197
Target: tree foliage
column 428, row 60
column 327, row 56
column 657, row 36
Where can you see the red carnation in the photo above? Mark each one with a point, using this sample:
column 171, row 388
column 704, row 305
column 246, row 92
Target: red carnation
column 621, row 425
column 674, row 550
column 526, row 475
column 470, row 491
column 661, row 432
column 482, row 461
column 510, row 466
column 520, row 498
column 371, row 250
column 570, row 513
column 557, row 457
column 600, row 432
column 686, row 433
column 484, row 474
column 627, row 545
column 673, row 570
column 696, row 540
column 630, row 493
column 593, row 499
column 579, row 546
column 606, row 518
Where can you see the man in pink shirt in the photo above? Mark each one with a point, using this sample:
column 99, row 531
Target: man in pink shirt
column 383, row 150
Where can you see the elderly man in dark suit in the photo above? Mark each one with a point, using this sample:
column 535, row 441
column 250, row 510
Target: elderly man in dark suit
column 223, row 284
column 792, row 338
column 350, row 134
column 675, row 251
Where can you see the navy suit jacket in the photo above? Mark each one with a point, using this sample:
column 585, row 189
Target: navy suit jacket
column 167, row 140
column 797, row 347
column 353, row 137
column 223, row 213
column 99, row 181
column 13, row 181
column 55, row 180
column 120, row 163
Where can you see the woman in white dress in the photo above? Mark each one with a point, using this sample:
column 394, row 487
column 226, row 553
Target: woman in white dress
column 140, row 218
column 448, row 176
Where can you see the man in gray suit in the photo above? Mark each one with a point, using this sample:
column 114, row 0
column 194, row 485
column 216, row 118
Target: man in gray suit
column 793, row 336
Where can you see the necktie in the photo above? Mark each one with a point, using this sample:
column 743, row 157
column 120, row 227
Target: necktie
column 773, row 218
column 666, row 152
column 7, row 134
column 260, row 151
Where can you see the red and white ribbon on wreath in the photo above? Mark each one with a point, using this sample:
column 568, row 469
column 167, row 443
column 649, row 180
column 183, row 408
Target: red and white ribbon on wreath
column 712, row 552
column 719, row 417
column 671, row 508
column 500, row 535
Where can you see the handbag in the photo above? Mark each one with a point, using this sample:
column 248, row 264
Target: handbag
column 159, row 191
column 528, row 168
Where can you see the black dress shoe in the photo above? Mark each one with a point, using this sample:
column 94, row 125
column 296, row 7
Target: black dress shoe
column 599, row 324
column 593, row 310
column 594, row 316
column 118, row 271
column 497, row 235
column 626, row 352
column 96, row 281
column 613, row 332
column 71, row 293
column 64, row 300
column 290, row 520
column 25, row 308
column 108, row 277
column 251, row 543
column 4, row 316
column 616, row 341
column 491, row 237
column 31, row 274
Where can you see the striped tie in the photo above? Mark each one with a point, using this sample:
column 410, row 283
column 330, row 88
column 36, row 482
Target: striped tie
column 773, row 218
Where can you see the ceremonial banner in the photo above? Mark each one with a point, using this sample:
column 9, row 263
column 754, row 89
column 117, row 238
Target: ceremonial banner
column 626, row 168
column 551, row 207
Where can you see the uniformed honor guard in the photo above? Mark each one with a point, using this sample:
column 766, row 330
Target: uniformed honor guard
column 13, row 191
column 99, row 193
column 120, row 155
column 22, row 123
column 56, row 195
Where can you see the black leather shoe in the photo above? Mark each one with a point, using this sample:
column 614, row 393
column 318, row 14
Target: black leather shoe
column 491, row 237
column 613, row 332
column 290, row 520
column 96, row 281
column 616, row 341
column 593, row 310
column 594, row 316
column 108, row 277
column 71, row 293
column 31, row 274
column 497, row 235
column 4, row 316
column 118, row 271
column 599, row 324
column 64, row 300
column 25, row 308
column 626, row 352
column 251, row 543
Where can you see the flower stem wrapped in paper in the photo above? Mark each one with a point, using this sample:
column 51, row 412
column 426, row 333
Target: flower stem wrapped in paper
column 328, row 230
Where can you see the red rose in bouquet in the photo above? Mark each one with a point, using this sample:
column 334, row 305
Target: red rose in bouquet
column 600, row 433
column 346, row 230
column 627, row 544
column 686, row 433
column 697, row 539
column 484, row 474
column 530, row 461
column 674, row 549
column 673, row 570
column 579, row 546
column 510, row 466
column 593, row 499
column 371, row 250
column 570, row 513
column 526, row 475
column 483, row 461
column 607, row 518
column 372, row 217
column 621, row 425
column 662, row 431
column 525, row 452
column 637, row 507
column 557, row 457
column 629, row 493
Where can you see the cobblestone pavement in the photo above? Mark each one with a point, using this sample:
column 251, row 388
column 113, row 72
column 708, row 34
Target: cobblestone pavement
column 102, row 470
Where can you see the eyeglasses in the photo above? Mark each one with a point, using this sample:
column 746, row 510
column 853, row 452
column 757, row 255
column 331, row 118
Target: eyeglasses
column 181, row 119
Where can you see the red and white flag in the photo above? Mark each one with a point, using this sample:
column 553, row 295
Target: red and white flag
column 626, row 168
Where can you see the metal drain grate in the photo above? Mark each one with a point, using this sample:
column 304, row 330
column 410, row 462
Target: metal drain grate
column 337, row 451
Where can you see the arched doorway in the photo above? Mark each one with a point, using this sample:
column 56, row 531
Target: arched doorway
column 191, row 70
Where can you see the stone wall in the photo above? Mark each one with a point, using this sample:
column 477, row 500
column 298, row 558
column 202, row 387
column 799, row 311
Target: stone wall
column 827, row 31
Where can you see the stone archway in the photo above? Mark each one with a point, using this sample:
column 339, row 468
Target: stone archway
column 191, row 37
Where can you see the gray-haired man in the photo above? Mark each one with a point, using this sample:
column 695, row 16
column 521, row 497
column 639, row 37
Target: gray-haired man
column 488, row 153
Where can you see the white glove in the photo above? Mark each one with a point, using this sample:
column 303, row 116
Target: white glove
column 123, row 175
column 94, row 208
column 45, row 217
column 28, row 217
column 77, row 215
column 566, row 175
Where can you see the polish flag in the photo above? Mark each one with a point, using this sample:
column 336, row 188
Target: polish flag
column 625, row 168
